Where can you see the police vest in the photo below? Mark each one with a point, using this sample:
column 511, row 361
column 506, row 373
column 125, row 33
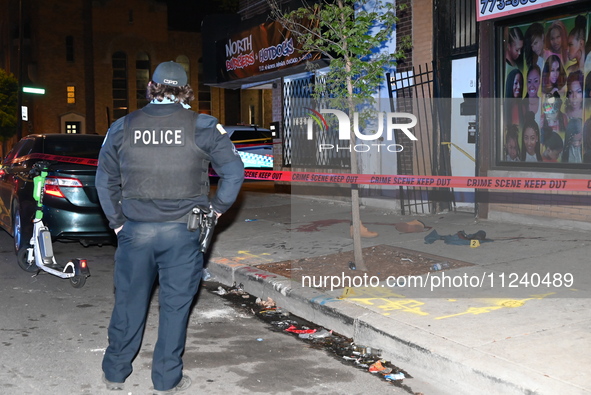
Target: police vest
column 159, row 158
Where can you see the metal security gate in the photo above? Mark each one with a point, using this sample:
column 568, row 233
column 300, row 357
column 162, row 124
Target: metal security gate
column 298, row 151
column 414, row 91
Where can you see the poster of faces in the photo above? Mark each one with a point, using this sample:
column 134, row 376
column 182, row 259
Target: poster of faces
column 547, row 91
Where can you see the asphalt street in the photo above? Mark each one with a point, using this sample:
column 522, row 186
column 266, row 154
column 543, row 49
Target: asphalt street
column 53, row 337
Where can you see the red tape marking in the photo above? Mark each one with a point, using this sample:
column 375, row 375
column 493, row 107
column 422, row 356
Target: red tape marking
column 394, row 180
column 58, row 158
column 425, row 181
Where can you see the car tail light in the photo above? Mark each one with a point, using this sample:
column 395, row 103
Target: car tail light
column 53, row 184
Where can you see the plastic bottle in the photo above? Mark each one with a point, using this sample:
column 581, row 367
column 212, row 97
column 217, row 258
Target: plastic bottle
column 395, row 376
column 439, row 266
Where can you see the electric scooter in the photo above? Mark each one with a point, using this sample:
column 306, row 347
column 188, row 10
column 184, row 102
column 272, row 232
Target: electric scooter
column 40, row 253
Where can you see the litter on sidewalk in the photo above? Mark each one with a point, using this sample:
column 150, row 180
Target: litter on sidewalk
column 267, row 304
column 395, row 376
column 377, row 367
column 294, row 329
column 321, row 334
column 220, row 291
column 459, row 238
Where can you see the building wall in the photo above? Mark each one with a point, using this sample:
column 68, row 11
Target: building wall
column 421, row 26
column 148, row 33
column 267, row 97
column 114, row 32
column 569, row 206
column 48, row 67
column 5, row 37
column 564, row 209
column 218, row 107
column 251, row 107
column 138, row 26
column 277, row 101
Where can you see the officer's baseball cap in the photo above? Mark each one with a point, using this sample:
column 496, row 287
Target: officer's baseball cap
column 170, row 73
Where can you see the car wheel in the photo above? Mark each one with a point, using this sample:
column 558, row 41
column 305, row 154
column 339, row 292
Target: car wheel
column 21, row 233
column 17, row 228
column 21, row 258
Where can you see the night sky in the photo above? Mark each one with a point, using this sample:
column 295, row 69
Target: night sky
column 186, row 15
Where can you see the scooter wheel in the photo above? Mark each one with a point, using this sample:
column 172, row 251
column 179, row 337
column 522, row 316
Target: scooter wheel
column 21, row 258
column 78, row 281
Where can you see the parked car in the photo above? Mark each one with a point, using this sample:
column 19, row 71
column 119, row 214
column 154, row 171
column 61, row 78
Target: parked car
column 71, row 208
column 254, row 144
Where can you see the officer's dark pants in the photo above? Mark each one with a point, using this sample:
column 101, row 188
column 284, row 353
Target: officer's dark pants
column 146, row 251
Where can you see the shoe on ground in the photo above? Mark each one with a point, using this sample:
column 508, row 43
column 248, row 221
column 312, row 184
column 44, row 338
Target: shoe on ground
column 181, row 386
column 364, row 232
column 113, row 386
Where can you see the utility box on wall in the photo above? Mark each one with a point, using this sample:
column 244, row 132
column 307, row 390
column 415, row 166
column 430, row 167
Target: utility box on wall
column 275, row 128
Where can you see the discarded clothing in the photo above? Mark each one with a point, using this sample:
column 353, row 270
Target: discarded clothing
column 413, row 226
column 460, row 238
column 377, row 367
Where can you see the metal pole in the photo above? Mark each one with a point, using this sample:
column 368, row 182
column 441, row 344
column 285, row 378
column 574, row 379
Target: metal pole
column 19, row 115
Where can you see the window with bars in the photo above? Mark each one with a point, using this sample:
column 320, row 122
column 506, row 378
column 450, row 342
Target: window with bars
column 119, row 85
column 142, row 77
column 465, row 28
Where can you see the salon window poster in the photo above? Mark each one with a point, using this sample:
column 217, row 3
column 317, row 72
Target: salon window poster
column 547, row 91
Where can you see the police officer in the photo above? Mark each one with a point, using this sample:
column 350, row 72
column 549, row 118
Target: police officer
column 153, row 169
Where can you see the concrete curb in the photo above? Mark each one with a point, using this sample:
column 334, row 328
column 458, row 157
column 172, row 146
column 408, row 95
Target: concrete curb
column 450, row 367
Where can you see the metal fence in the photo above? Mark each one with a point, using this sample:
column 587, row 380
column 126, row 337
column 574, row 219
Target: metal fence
column 413, row 91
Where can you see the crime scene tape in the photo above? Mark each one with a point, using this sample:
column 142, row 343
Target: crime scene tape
column 552, row 184
column 57, row 158
column 265, row 140
column 425, row 181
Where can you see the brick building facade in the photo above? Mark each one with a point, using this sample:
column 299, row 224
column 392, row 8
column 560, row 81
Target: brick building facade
column 93, row 58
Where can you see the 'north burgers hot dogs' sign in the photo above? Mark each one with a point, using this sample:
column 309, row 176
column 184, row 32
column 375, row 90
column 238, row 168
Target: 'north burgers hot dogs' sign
column 264, row 48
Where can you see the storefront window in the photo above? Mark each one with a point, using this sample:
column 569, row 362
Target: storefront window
column 546, row 92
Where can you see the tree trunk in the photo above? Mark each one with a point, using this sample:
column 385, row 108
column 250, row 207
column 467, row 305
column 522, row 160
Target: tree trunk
column 355, row 217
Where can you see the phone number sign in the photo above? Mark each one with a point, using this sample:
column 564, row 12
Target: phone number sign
column 491, row 9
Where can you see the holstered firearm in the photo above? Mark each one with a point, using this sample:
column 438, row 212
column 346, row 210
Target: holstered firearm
column 204, row 219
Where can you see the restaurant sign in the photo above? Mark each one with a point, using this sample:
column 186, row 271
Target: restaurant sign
column 262, row 49
column 493, row 9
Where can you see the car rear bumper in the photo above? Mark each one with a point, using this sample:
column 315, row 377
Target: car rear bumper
column 68, row 225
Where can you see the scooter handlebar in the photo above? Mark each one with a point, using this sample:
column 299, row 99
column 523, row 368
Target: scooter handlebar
column 38, row 167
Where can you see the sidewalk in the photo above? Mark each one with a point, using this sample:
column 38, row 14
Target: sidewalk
column 498, row 328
